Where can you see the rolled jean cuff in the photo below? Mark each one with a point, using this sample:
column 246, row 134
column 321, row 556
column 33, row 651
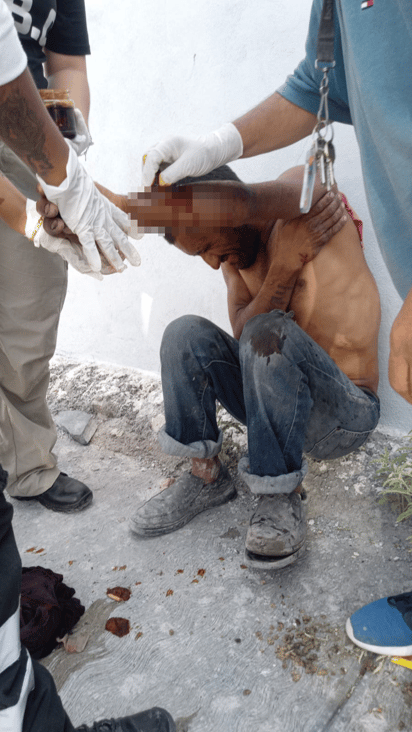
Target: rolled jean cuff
column 269, row 484
column 199, row 449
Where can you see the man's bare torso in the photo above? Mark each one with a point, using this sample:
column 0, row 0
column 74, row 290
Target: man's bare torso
column 336, row 301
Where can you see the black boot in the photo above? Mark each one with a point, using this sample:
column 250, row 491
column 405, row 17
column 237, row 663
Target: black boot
column 152, row 720
column 65, row 496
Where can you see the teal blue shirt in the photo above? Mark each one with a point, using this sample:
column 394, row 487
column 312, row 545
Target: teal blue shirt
column 371, row 88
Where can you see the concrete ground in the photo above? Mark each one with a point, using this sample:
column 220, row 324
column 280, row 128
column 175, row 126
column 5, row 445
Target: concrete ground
column 221, row 646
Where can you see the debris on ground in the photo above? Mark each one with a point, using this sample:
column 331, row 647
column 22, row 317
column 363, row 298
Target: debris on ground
column 118, row 626
column 81, row 426
column 120, row 594
column 313, row 646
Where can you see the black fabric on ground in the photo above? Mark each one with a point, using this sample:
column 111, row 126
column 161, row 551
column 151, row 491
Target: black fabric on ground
column 44, row 710
column 48, row 610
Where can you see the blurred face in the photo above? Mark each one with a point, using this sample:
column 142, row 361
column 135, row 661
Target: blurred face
column 239, row 246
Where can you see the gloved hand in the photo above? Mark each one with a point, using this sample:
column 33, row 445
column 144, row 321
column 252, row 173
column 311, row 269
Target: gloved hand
column 90, row 215
column 83, row 139
column 130, row 227
column 192, row 156
column 71, row 252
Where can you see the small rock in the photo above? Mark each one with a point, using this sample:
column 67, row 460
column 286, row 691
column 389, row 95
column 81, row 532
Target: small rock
column 77, row 641
column 81, row 426
column 166, row 483
column 157, row 422
column 116, row 432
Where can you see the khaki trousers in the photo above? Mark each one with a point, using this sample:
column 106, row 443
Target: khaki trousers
column 33, row 286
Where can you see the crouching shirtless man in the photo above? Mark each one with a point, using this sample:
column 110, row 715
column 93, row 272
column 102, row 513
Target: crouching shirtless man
column 301, row 371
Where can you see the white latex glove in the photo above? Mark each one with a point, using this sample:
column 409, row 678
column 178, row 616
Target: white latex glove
column 83, row 139
column 90, row 215
column 192, row 156
column 72, row 253
column 131, row 228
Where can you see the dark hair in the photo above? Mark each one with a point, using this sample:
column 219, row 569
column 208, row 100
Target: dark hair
column 221, row 173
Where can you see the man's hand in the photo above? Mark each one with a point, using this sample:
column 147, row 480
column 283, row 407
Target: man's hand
column 54, row 226
column 299, row 241
column 400, row 358
column 55, row 236
column 90, row 215
column 325, row 219
column 67, row 246
column 190, row 156
column 83, row 139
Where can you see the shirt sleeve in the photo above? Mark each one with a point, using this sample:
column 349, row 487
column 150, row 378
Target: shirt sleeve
column 69, row 34
column 13, row 60
column 302, row 87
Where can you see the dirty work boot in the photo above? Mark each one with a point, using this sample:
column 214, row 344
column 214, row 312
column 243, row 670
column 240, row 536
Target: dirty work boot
column 152, row 720
column 179, row 503
column 276, row 531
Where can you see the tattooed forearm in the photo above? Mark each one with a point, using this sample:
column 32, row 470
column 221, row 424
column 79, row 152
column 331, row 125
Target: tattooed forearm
column 281, row 297
column 23, row 131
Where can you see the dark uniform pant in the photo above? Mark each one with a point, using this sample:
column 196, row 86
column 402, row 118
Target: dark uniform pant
column 28, row 697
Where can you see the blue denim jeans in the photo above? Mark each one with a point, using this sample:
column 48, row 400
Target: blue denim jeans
column 277, row 381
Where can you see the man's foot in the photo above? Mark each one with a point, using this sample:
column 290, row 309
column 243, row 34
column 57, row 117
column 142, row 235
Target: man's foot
column 277, row 531
column 183, row 500
column 152, row 720
column 66, row 495
column 384, row 626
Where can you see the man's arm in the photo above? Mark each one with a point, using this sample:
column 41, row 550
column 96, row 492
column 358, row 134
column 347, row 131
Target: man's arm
column 14, row 213
column 290, row 246
column 400, row 357
column 12, row 206
column 27, row 129
column 69, row 72
column 278, row 121
column 280, row 199
column 274, row 294
column 220, row 204
column 273, row 124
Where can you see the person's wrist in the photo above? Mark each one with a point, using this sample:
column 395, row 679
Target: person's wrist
column 57, row 173
column 118, row 200
column 62, row 183
column 231, row 141
column 31, row 222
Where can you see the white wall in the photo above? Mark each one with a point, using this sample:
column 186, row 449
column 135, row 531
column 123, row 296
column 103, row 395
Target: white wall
column 160, row 67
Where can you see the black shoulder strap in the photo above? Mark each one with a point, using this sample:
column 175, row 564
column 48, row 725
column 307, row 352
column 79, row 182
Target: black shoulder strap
column 326, row 35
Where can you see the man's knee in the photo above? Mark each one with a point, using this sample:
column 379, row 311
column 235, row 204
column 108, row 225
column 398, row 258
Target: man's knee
column 182, row 332
column 266, row 333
